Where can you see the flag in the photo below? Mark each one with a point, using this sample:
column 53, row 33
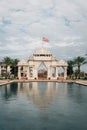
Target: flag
column 45, row 39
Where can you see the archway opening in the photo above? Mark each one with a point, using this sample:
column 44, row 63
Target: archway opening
column 23, row 72
column 53, row 71
column 61, row 72
column 42, row 71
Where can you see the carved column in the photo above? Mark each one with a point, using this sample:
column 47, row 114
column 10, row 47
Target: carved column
column 28, row 72
column 65, row 72
column 35, row 73
column 51, row 71
column 56, row 72
column 8, row 69
column 19, row 72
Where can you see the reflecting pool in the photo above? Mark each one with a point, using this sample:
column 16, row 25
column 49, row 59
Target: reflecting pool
column 43, row 106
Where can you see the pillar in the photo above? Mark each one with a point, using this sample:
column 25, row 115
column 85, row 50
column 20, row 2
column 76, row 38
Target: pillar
column 8, row 69
column 28, row 72
column 51, row 71
column 57, row 72
column 35, row 73
column 19, row 72
column 65, row 72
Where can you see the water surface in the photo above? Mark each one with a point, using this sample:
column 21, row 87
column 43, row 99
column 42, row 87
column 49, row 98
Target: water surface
column 43, row 106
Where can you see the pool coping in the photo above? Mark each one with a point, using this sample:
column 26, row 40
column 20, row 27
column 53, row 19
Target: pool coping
column 82, row 82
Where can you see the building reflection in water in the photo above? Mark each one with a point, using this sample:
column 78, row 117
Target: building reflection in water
column 42, row 93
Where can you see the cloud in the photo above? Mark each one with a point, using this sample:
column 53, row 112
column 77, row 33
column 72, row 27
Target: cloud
column 24, row 23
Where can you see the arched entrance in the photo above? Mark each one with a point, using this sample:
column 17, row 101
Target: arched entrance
column 53, row 71
column 61, row 72
column 42, row 64
column 23, row 73
column 42, row 71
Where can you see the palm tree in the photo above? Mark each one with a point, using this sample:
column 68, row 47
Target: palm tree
column 7, row 61
column 76, row 73
column 12, row 63
column 14, row 66
column 70, row 67
column 78, row 61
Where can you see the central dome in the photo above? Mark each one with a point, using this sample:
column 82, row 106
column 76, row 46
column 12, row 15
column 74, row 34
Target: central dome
column 42, row 51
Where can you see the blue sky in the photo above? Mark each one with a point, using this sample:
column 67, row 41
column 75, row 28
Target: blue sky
column 23, row 23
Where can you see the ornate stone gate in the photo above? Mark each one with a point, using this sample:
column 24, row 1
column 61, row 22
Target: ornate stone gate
column 29, row 69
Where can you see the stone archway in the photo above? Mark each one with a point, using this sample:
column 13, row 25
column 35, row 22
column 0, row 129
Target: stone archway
column 61, row 72
column 49, row 63
column 42, row 71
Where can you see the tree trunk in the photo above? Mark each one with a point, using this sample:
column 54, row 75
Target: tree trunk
column 78, row 71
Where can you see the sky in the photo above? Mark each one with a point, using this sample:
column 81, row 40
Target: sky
column 23, row 24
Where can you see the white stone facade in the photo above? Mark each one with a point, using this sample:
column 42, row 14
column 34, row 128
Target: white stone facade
column 4, row 70
column 29, row 69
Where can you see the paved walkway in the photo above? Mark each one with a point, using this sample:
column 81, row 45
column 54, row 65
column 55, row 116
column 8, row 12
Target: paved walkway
column 3, row 82
column 83, row 82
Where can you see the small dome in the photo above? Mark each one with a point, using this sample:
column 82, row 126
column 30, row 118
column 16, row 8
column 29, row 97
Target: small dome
column 42, row 51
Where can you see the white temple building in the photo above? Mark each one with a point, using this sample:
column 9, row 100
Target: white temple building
column 30, row 69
